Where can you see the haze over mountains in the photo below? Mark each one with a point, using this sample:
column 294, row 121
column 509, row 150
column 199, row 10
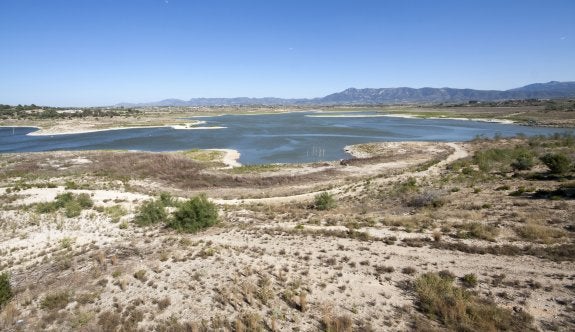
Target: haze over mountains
column 403, row 95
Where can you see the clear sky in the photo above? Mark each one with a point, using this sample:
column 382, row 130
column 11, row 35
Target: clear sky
column 102, row 52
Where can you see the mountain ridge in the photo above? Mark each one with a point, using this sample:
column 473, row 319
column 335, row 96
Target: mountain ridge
column 376, row 96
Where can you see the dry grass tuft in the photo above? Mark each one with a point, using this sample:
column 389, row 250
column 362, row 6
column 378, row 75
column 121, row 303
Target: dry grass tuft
column 460, row 310
column 540, row 234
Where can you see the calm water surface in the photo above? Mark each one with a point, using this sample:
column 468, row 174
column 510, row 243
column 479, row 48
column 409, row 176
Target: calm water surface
column 269, row 138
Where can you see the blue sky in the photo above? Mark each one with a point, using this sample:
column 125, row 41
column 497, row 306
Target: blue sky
column 102, row 52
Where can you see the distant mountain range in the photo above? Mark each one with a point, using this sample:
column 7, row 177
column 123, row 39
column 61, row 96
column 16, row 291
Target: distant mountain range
column 354, row 96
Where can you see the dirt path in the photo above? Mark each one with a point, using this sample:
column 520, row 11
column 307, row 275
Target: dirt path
column 459, row 152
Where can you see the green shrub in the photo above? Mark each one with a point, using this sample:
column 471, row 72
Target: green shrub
column 477, row 230
column 557, row 163
column 5, row 288
column 73, row 204
column 523, row 161
column 56, row 301
column 409, row 185
column 72, row 209
column 63, row 198
column 469, row 280
column 151, row 212
column 194, row 215
column 46, row 207
column 167, row 199
column 115, row 212
column 324, row 201
column 70, row 185
column 84, row 200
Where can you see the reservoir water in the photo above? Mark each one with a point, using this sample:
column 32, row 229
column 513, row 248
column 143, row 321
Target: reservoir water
column 270, row 138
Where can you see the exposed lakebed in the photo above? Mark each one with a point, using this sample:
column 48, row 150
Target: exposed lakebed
column 272, row 138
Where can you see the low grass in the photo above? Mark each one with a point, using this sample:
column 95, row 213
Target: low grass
column 204, row 155
column 476, row 230
column 558, row 253
column 460, row 310
column 539, row 233
column 258, row 168
column 115, row 212
column 71, row 203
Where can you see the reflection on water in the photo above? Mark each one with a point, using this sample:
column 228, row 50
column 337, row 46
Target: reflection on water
column 268, row 138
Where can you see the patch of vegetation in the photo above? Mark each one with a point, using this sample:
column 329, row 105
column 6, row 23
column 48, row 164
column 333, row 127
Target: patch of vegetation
column 167, row 199
column 115, row 212
column 258, row 168
column 151, row 212
column 476, row 230
column 500, row 159
column 557, row 163
column 204, row 155
column 460, row 310
column 45, row 112
column 539, row 233
column 57, row 300
column 558, row 253
column 194, row 215
column 71, row 203
column 523, row 161
column 5, row 289
column 428, row 198
column 564, row 191
column 324, row 201
column 408, row 186
column 469, row 280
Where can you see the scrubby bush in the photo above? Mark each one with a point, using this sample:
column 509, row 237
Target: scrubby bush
column 167, row 199
column 476, row 230
column 523, row 161
column 324, row 201
column 62, row 199
column 194, row 215
column 57, row 300
column 72, row 209
column 469, row 280
column 460, row 310
column 151, row 212
column 427, row 199
column 72, row 204
column 84, row 200
column 557, row 163
column 5, row 289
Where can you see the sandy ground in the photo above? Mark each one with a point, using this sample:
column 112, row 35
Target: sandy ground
column 230, row 158
column 492, row 120
column 89, row 127
column 399, row 148
column 271, row 260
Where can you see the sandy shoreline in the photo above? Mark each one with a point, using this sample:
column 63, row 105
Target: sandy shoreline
column 409, row 116
column 58, row 130
column 230, row 157
column 85, row 128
